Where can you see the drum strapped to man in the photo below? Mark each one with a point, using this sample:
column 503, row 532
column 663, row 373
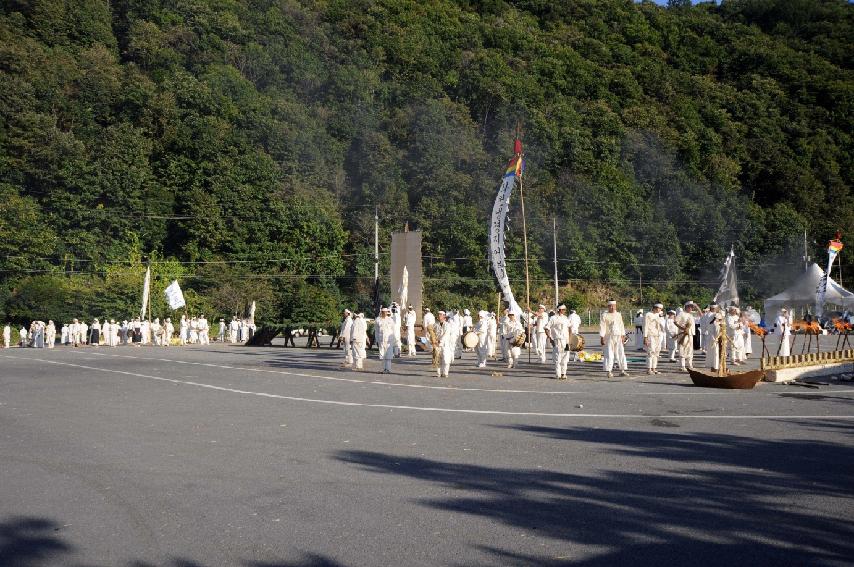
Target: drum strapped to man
column 470, row 339
column 519, row 339
column 576, row 343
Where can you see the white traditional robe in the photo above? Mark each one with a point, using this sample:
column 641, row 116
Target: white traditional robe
column 685, row 339
column 409, row 320
column 653, row 331
column 481, row 329
column 384, row 337
column 346, row 327
column 612, row 330
column 514, row 352
column 559, row 328
column 446, row 336
column 357, row 339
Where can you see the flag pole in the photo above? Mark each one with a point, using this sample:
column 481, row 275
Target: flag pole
column 554, row 242
column 527, row 276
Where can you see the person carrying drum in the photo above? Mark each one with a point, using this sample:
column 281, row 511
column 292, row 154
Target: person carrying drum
column 558, row 331
column 512, row 335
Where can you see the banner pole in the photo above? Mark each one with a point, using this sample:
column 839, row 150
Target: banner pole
column 527, row 276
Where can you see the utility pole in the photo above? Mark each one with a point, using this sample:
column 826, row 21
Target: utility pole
column 554, row 242
column 376, row 258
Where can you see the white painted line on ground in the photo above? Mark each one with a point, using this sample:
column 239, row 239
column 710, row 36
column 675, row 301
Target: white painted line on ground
column 431, row 409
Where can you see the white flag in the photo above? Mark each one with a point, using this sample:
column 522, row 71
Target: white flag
column 146, row 293
column 174, row 295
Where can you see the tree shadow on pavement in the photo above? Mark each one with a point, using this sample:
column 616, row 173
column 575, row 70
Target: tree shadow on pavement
column 31, row 542
column 679, row 498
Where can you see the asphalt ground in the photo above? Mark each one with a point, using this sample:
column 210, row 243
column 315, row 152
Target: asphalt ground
column 227, row 455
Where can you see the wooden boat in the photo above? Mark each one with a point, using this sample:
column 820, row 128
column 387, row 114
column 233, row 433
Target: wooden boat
column 731, row 381
column 722, row 378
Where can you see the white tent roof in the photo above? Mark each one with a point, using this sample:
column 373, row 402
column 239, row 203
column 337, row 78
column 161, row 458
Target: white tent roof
column 802, row 294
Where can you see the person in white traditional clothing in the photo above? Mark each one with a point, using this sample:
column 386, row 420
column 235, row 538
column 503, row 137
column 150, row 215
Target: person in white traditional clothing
column 745, row 326
column 74, row 333
column 7, row 335
column 574, row 328
column 558, row 330
column 168, row 332
column 50, row 334
column 204, row 330
column 113, row 338
column 409, row 321
column 193, row 337
column 538, row 329
column 384, row 338
column 784, row 327
column 145, row 329
column 709, row 326
column 491, row 335
column 64, row 335
column 221, row 335
column 396, row 317
column 639, row 336
column 344, row 333
column 672, row 333
column 481, row 329
column 357, row 340
column 653, row 331
column 457, row 320
column 156, row 336
column 184, row 330
column 106, row 332
column 514, row 328
column 123, row 332
column 446, row 337
column 23, row 335
column 232, row 330
column 735, row 334
column 84, row 333
column 429, row 319
column 686, row 326
column 466, row 324
column 612, row 335
column 502, row 330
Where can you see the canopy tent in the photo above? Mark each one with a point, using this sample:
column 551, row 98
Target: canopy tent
column 802, row 294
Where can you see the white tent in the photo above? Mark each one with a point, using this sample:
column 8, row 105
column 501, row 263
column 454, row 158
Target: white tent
column 802, row 294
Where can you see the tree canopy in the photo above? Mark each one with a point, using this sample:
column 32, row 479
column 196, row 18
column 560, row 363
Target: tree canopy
column 243, row 146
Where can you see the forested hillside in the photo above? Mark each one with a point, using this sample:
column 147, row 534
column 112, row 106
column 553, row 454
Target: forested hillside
column 243, row 145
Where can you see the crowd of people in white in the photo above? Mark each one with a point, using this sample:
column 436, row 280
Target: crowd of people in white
column 676, row 332
column 190, row 331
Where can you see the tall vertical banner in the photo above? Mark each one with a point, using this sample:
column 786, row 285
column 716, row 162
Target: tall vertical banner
column 146, row 293
column 498, row 227
column 728, row 291
column 406, row 270
column 833, row 249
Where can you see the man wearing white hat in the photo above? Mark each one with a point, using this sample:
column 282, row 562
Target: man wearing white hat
column 539, row 332
column 735, row 334
column 502, row 324
column 785, row 329
column 653, row 332
column 481, row 329
column 356, row 340
column 710, row 326
column 685, row 323
column 513, row 327
column 344, row 333
column 384, row 337
column 558, row 329
column 396, row 317
column 612, row 335
column 466, row 323
column 409, row 321
column 446, row 343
